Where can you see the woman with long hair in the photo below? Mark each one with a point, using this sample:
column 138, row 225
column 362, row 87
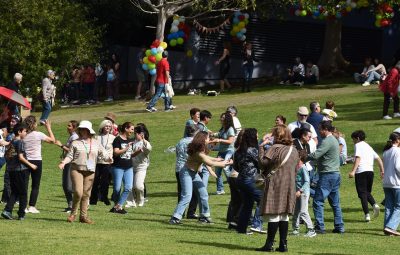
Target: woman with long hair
column 278, row 164
column 225, row 65
column 189, row 178
column 103, row 168
column 33, row 148
column 83, row 155
column 66, row 175
column 122, row 167
column 225, row 139
column 391, row 184
column 246, row 164
column 140, row 162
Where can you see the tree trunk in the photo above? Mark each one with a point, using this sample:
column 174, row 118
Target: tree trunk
column 161, row 20
column 331, row 59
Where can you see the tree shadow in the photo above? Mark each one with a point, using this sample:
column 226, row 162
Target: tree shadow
column 134, row 111
column 361, row 111
column 221, row 245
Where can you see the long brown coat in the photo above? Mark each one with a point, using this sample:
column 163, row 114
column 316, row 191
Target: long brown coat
column 279, row 192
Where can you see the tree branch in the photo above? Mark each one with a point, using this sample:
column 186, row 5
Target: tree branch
column 137, row 4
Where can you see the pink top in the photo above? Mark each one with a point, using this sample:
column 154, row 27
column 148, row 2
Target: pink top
column 33, row 145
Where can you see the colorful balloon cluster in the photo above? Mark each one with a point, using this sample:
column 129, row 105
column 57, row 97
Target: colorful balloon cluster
column 153, row 55
column 179, row 32
column 240, row 20
column 384, row 15
column 384, row 12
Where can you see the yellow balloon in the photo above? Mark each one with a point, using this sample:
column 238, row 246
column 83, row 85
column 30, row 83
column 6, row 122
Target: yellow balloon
column 176, row 17
column 348, row 8
column 158, row 57
column 189, row 53
column 146, row 60
column 164, row 45
column 241, row 25
column 236, row 29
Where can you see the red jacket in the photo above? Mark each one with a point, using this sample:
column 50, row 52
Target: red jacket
column 391, row 83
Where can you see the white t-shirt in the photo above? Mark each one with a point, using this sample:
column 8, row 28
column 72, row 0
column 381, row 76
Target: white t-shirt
column 33, row 145
column 297, row 124
column 366, row 155
column 237, row 124
column 391, row 178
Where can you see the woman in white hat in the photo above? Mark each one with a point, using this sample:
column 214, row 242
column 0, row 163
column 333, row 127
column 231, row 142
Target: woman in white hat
column 83, row 156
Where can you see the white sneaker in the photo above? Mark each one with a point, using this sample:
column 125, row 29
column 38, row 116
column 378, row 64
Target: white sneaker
column 130, row 204
column 376, row 210
column 141, row 204
column 282, row 82
column 172, row 106
column 387, row 117
column 33, row 209
column 396, row 115
column 367, row 217
column 137, row 97
column 258, row 230
column 365, row 84
column 220, row 192
column 310, row 233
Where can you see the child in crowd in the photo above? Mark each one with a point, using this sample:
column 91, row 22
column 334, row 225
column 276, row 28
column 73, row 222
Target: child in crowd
column 329, row 111
column 342, row 146
column 302, row 197
column 194, row 119
column 17, row 166
column 363, row 171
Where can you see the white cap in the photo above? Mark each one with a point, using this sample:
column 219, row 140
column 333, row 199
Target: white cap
column 88, row 125
column 397, row 130
column 49, row 72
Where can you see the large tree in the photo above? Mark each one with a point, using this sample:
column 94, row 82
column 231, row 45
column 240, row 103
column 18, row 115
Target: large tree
column 165, row 9
column 37, row 35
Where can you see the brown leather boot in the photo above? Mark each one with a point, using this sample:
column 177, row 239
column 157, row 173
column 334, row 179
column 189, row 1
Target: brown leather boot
column 71, row 218
column 85, row 220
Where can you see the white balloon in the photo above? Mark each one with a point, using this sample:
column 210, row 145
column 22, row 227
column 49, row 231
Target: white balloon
column 243, row 38
column 297, row 12
column 243, row 30
column 246, row 15
column 174, row 29
column 181, row 19
column 160, row 49
column 175, row 22
column 353, row 4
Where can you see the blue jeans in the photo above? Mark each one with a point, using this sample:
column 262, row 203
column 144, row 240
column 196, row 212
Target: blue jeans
column 328, row 187
column 250, row 194
column 373, row 76
column 218, row 170
column 46, row 110
column 205, row 175
column 190, row 179
column 392, row 208
column 120, row 176
column 159, row 92
column 248, row 75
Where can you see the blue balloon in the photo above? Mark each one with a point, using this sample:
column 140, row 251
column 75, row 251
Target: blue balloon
column 235, row 20
column 145, row 67
column 316, row 13
column 176, row 35
column 154, row 51
column 239, row 35
column 181, row 33
column 338, row 15
column 169, row 37
column 153, row 71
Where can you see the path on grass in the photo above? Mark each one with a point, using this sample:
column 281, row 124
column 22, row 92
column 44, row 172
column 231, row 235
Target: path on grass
column 270, row 96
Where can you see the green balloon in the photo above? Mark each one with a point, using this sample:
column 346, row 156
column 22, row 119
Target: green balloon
column 151, row 66
column 180, row 40
column 148, row 53
column 172, row 43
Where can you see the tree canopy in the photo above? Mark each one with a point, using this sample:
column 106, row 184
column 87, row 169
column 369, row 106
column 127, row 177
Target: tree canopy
column 38, row 35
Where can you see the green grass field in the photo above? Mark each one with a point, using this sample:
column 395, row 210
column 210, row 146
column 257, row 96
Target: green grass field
column 146, row 230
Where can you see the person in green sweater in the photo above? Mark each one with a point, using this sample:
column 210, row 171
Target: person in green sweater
column 328, row 161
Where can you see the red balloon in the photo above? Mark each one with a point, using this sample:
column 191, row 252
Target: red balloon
column 152, row 59
column 241, row 17
column 384, row 22
column 156, row 43
column 389, row 9
column 181, row 25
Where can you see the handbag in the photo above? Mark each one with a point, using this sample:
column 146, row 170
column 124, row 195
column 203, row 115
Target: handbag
column 260, row 179
column 169, row 91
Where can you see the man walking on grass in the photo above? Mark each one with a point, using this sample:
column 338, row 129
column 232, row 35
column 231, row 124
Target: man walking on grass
column 162, row 78
column 327, row 157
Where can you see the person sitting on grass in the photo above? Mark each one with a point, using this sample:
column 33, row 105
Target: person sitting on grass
column 296, row 74
column 17, row 166
column 189, row 178
column 363, row 171
column 375, row 74
column 312, row 73
column 362, row 77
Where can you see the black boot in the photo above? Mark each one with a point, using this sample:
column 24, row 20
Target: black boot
column 283, row 232
column 269, row 243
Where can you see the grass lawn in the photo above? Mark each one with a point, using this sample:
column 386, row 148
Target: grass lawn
column 146, row 230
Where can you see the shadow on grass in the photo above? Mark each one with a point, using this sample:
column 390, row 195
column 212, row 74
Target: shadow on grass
column 134, row 111
column 163, row 194
column 221, row 245
column 163, row 182
column 362, row 111
column 64, row 219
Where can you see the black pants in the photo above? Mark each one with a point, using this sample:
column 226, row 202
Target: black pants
column 364, row 183
column 100, row 183
column 296, row 78
column 19, row 189
column 235, row 204
column 67, row 184
column 312, row 79
column 193, row 202
column 36, row 175
column 7, row 188
column 386, row 103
